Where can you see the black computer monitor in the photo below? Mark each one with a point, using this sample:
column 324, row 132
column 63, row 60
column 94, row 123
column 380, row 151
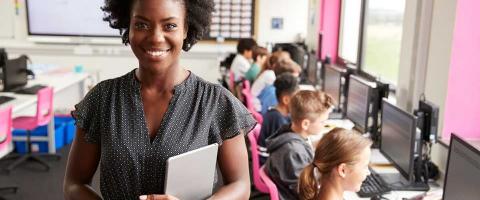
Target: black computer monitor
column 462, row 178
column 15, row 74
column 333, row 83
column 399, row 138
column 358, row 99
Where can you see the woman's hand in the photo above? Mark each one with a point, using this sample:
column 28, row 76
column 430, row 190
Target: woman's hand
column 157, row 197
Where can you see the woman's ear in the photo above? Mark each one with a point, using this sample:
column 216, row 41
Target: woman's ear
column 342, row 170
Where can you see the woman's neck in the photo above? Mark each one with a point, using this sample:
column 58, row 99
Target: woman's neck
column 161, row 80
column 330, row 190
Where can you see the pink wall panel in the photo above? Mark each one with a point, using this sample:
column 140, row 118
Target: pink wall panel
column 329, row 27
column 462, row 107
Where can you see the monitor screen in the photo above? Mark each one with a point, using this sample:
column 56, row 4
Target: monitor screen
column 398, row 137
column 68, row 18
column 357, row 102
column 332, row 83
column 312, row 69
column 15, row 73
column 463, row 171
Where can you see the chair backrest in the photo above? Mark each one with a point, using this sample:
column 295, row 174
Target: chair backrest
column 44, row 106
column 249, row 101
column 272, row 188
column 257, row 182
column 5, row 127
column 231, row 81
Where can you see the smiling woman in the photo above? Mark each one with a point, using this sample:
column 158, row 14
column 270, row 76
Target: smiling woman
column 132, row 124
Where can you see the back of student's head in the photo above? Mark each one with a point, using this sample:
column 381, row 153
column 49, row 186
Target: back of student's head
column 336, row 147
column 259, row 51
column 245, row 44
column 275, row 58
column 308, row 104
column 287, row 65
column 285, row 84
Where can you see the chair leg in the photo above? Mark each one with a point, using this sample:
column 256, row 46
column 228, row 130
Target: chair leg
column 55, row 156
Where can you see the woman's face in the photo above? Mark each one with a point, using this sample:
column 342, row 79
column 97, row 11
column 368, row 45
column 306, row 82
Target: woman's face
column 358, row 172
column 157, row 31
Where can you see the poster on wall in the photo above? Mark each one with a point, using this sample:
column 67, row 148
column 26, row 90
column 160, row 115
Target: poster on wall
column 232, row 19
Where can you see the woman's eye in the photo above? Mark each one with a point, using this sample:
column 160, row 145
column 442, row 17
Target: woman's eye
column 170, row 26
column 141, row 26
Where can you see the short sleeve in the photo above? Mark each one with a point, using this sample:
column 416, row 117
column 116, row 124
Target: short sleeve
column 87, row 114
column 230, row 118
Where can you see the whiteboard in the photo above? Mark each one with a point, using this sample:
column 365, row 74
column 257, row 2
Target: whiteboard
column 68, row 18
column 7, row 13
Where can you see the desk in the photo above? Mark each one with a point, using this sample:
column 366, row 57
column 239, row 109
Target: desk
column 69, row 88
column 382, row 168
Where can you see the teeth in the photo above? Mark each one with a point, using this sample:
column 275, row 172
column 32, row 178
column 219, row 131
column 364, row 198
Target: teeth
column 157, row 53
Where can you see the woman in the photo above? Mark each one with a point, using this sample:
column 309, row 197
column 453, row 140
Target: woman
column 132, row 124
column 341, row 159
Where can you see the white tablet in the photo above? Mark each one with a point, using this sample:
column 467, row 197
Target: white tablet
column 190, row 175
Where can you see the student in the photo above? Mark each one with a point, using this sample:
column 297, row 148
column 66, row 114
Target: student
column 259, row 56
column 289, row 148
column 132, row 124
column 341, row 159
column 267, row 96
column 267, row 75
column 285, row 87
column 241, row 63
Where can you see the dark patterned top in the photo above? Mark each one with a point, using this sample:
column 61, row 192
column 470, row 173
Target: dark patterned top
column 111, row 114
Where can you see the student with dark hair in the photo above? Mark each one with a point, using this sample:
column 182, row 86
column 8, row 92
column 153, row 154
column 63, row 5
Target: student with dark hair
column 285, row 87
column 259, row 56
column 132, row 124
column 242, row 61
column 289, row 147
column 341, row 160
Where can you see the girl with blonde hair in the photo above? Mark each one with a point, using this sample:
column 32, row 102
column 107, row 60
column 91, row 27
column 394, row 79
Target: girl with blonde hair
column 340, row 164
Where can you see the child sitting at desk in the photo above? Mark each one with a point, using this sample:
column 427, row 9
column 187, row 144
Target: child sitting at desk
column 289, row 148
column 341, row 158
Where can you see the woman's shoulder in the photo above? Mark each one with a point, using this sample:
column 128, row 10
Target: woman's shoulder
column 207, row 85
column 112, row 83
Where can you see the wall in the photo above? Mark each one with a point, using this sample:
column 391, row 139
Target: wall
column 462, row 106
column 329, row 27
column 294, row 14
column 112, row 60
column 313, row 27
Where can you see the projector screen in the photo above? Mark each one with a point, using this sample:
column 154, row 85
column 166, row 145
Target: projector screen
column 68, row 18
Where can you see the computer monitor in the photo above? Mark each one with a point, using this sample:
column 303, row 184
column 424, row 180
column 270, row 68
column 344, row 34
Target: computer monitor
column 358, row 102
column 463, row 171
column 398, row 138
column 333, row 82
column 15, row 74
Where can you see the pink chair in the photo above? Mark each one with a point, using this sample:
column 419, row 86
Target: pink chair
column 249, row 101
column 29, row 123
column 6, row 138
column 231, row 81
column 263, row 184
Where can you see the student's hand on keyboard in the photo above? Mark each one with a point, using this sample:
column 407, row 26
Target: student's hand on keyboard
column 157, row 197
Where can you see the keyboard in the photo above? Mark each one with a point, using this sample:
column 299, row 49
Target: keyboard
column 4, row 99
column 372, row 186
column 30, row 90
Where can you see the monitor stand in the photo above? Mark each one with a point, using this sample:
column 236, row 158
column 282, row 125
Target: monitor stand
column 398, row 183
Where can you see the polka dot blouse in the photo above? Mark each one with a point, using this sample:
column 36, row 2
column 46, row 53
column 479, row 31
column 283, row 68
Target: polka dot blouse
column 112, row 115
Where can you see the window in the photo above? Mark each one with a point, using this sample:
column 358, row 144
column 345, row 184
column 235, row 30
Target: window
column 349, row 30
column 382, row 38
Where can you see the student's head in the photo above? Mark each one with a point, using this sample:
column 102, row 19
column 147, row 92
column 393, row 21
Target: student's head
column 245, row 47
column 309, row 109
column 342, row 157
column 287, row 65
column 285, row 87
column 275, row 58
column 259, row 55
column 157, row 31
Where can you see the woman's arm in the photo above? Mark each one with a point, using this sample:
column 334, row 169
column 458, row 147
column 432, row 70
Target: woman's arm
column 233, row 163
column 82, row 164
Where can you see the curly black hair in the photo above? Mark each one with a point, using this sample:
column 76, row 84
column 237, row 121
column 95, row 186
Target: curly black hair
column 197, row 17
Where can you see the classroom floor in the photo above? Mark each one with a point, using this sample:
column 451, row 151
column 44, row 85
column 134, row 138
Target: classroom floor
column 36, row 183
